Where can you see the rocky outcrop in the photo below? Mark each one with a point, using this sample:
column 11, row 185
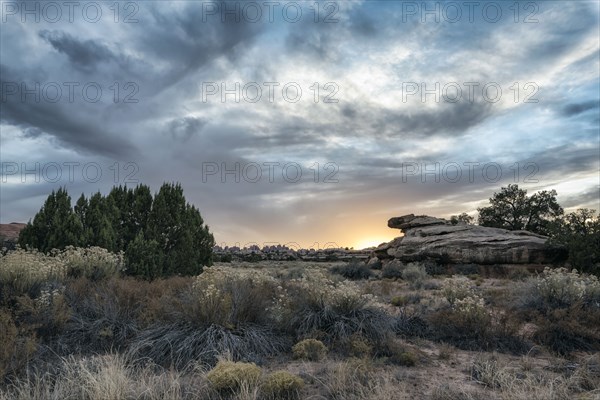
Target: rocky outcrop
column 428, row 237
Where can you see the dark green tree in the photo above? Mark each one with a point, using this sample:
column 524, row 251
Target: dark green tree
column 512, row 209
column 55, row 226
column 144, row 257
column 160, row 236
column 179, row 230
column 579, row 232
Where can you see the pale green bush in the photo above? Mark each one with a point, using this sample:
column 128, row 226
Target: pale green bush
column 26, row 270
column 563, row 288
column 282, row 385
column 415, row 274
column 92, row 262
column 229, row 376
column 457, row 288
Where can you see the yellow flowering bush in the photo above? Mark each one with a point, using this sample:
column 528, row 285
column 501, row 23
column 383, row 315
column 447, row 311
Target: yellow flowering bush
column 92, row 262
column 457, row 288
column 24, row 270
column 282, row 385
column 229, row 376
column 228, row 297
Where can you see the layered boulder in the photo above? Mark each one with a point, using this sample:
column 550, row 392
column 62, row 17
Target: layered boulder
column 428, row 237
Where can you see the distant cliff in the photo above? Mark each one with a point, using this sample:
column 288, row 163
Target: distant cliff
column 9, row 234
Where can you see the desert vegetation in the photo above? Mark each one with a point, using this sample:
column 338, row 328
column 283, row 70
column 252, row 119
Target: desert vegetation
column 73, row 324
column 114, row 308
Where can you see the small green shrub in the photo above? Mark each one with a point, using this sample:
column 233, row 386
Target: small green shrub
column 354, row 270
column 392, row 270
column 406, row 359
column 560, row 288
column 229, row 376
column 357, row 346
column 282, row 385
column 309, row 349
column 415, row 274
column 399, row 301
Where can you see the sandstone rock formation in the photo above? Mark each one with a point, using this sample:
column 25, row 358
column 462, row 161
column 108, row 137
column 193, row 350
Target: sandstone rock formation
column 433, row 238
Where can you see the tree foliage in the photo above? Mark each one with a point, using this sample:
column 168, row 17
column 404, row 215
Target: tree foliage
column 160, row 236
column 463, row 218
column 579, row 232
column 512, row 209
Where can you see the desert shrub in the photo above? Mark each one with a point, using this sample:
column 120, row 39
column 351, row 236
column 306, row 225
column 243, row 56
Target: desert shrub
column 94, row 263
column 229, row 376
column 392, row 270
column 315, row 303
column 559, row 288
column 375, row 264
column 466, row 269
column 230, row 298
column 282, row 385
column 44, row 316
column 457, row 288
column 392, row 351
column 8, row 336
column 104, row 314
column 565, row 307
column 570, row 329
column 399, row 301
column 465, row 320
column 224, row 311
column 309, row 349
column 26, row 271
column 415, row 274
column 16, row 347
column 487, row 371
column 178, row 345
column 410, row 324
column 354, row 270
column 357, row 379
column 357, row 346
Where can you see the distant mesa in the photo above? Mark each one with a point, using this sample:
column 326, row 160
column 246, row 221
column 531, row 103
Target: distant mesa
column 438, row 239
column 9, row 234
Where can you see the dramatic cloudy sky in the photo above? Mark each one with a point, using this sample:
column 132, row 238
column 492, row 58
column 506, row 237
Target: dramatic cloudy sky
column 377, row 124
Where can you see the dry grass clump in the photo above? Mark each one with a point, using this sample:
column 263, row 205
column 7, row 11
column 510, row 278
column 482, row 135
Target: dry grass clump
column 281, row 385
column 309, row 349
column 357, row 379
column 224, row 311
column 230, row 377
column 339, row 309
